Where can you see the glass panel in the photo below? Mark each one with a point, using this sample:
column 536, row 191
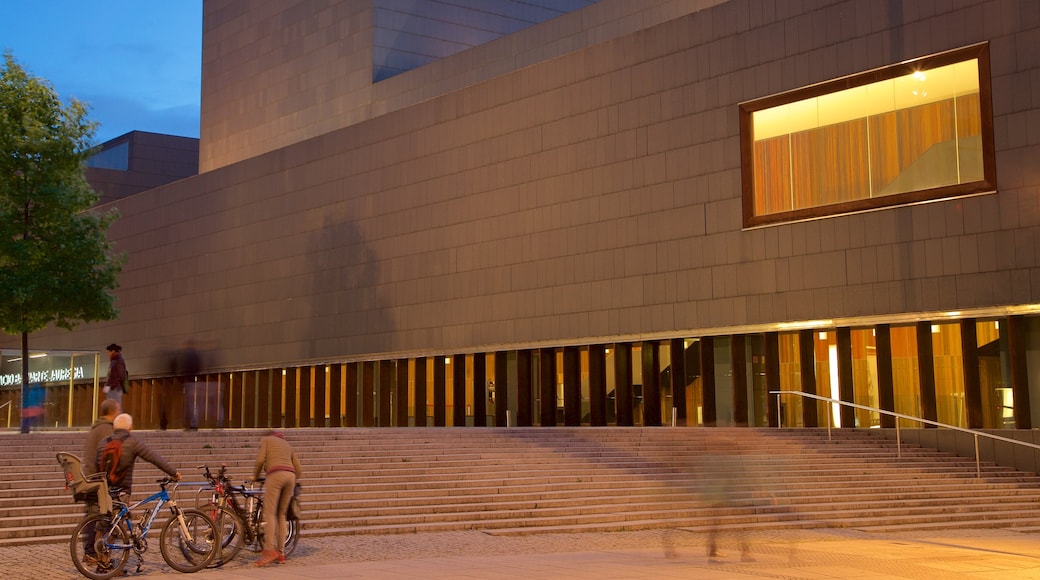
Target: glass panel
column 998, row 400
column 758, row 405
column 949, row 374
column 637, row 385
column 826, row 355
column 665, row 353
column 723, row 382
column 915, row 132
column 694, row 386
column 864, row 376
column 611, row 389
column 906, row 382
column 586, row 397
column 1032, row 324
column 790, row 380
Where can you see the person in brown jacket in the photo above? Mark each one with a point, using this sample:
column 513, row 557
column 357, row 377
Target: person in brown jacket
column 98, row 431
column 277, row 460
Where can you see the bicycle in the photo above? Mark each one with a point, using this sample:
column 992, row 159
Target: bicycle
column 186, row 541
column 238, row 510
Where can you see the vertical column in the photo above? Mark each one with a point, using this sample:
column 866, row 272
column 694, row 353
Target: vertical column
column 401, row 410
column 236, row 389
column 886, row 383
column 479, row 389
column 322, row 375
column 524, row 386
column 1016, row 331
column 368, row 386
column 651, row 355
column 709, row 412
column 846, row 388
column 440, row 398
column 677, row 347
column 807, row 364
column 336, row 395
column 926, row 372
column 738, row 358
column 458, row 390
column 572, row 386
column 623, row 397
column 501, row 388
column 351, row 417
column 772, row 348
column 970, row 368
column 420, row 392
column 386, row 384
column 265, row 390
column 290, row 397
column 597, row 385
column 547, row 387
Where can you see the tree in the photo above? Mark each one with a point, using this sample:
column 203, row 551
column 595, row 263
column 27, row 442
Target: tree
column 56, row 263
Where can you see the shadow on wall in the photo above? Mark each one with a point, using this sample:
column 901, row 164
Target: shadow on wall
column 347, row 314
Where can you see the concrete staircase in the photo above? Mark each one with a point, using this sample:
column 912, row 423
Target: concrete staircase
column 528, row 480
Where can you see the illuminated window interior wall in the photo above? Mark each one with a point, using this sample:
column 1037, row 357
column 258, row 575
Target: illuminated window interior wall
column 869, row 145
column 905, row 374
column 864, row 376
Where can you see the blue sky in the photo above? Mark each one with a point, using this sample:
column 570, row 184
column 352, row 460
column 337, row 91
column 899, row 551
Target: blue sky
column 137, row 64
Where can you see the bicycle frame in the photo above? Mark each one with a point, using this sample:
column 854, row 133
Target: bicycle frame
column 161, row 498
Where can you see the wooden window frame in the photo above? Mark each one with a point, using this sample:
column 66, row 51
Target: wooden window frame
column 988, row 184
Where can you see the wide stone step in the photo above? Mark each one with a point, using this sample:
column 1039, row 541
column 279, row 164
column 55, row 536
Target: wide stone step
column 552, row 479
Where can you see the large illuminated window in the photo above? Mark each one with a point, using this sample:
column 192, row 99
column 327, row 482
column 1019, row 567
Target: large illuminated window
column 912, row 132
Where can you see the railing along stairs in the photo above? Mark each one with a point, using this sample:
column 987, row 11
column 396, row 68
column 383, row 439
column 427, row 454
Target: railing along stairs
column 832, row 401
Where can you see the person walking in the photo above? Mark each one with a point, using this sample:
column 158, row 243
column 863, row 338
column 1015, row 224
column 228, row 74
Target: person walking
column 278, row 461
column 115, row 382
column 101, row 429
column 187, row 364
column 132, row 449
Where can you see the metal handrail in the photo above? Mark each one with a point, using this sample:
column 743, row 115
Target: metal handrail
column 899, row 451
column 9, row 406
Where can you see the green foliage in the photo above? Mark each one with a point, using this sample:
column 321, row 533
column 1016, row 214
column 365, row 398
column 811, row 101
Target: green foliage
column 56, row 263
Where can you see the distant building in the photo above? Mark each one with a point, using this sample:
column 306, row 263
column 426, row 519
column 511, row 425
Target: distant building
column 139, row 161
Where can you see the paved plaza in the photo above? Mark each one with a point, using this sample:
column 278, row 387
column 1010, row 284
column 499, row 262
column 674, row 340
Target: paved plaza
column 797, row 554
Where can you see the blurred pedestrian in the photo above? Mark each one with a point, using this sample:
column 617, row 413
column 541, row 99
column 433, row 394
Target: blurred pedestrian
column 115, row 382
column 187, row 365
column 277, row 459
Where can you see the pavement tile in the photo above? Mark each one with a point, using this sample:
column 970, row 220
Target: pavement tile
column 658, row 554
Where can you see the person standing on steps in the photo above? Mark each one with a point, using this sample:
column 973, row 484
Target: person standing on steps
column 101, row 429
column 115, row 382
column 277, row 459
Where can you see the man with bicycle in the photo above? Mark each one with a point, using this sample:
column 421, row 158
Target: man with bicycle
column 101, row 429
column 132, row 449
column 278, row 460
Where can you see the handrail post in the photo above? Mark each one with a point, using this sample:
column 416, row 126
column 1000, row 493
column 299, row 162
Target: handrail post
column 978, row 463
column 899, row 444
column 779, row 416
column 830, row 413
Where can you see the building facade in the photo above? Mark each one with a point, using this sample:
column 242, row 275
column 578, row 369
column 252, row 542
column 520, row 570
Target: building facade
column 632, row 213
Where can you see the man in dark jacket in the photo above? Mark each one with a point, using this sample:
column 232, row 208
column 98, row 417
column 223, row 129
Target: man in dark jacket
column 101, row 429
column 132, row 449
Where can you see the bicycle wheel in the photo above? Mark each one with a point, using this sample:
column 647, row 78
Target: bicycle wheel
column 292, row 534
column 232, row 534
column 191, row 551
column 97, row 554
